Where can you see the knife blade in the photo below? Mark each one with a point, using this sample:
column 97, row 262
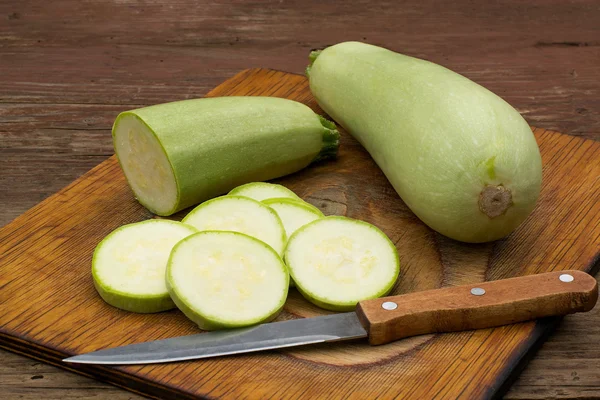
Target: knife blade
column 276, row 335
column 380, row 320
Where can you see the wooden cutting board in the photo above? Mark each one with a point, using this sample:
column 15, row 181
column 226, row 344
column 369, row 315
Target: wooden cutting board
column 50, row 309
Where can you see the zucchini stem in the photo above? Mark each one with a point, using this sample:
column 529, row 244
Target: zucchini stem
column 331, row 141
column 312, row 57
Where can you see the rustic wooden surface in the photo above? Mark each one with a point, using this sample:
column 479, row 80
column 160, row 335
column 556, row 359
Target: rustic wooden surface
column 68, row 67
column 69, row 318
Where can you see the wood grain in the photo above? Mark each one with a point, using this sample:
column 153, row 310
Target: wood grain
column 566, row 367
column 145, row 52
column 502, row 302
column 541, row 56
column 37, row 380
column 46, row 254
column 67, row 61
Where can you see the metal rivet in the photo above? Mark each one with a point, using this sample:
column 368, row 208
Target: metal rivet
column 389, row 305
column 566, row 278
column 477, row 291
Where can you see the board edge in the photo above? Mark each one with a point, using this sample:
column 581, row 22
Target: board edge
column 541, row 332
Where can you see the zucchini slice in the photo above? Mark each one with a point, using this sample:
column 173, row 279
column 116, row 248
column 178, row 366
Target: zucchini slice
column 262, row 190
column 128, row 265
column 240, row 214
column 337, row 262
column 293, row 213
column 226, row 280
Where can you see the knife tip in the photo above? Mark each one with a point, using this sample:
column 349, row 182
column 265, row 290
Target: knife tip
column 76, row 360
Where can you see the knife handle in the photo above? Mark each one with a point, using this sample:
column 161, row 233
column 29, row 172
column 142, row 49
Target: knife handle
column 481, row 305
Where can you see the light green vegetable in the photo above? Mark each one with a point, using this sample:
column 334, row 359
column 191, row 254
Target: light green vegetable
column 178, row 154
column 337, row 262
column 226, row 280
column 293, row 213
column 262, row 190
column 240, row 214
column 128, row 266
column 463, row 160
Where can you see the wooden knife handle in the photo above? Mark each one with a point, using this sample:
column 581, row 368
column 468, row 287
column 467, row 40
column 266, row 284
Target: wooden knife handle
column 476, row 306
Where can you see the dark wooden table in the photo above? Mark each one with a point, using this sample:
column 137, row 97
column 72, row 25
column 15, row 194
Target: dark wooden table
column 67, row 67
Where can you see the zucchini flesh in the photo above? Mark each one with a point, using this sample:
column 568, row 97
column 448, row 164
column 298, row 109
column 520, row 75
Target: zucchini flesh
column 226, row 280
column 262, row 190
column 240, row 214
column 337, row 262
column 129, row 264
column 178, row 154
column 146, row 165
column 293, row 213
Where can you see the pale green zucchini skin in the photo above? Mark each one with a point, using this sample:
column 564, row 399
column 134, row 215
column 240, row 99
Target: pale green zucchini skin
column 216, row 144
column 462, row 159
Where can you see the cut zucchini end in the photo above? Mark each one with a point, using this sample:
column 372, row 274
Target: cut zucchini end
column 263, row 190
column 337, row 262
column 145, row 164
column 222, row 279
column 129, row 264
column 240, row 214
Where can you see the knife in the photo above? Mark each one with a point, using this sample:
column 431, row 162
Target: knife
column 381, row 320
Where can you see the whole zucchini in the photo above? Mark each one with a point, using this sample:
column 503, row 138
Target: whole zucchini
column 178, row 154
column 463, row 160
